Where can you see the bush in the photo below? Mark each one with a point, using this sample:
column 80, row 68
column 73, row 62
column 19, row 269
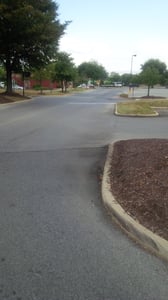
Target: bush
column 38, row 87
column 124, row 95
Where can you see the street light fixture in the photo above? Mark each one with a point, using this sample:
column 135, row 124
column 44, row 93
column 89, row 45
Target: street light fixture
column 131, row 88
column 134, row 55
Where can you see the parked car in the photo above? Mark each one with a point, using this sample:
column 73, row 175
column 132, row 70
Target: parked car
column 82, row 85
column 2, row 84
column 90, row 86
column 17, row 87
column 118, row 84
column 133, row 85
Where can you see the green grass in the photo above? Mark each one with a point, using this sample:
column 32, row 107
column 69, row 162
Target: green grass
column 140, row 107
column 157, row 103
column 34, row 92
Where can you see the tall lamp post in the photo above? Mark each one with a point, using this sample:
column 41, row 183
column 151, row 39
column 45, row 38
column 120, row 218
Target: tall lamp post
column 131, row 88
column 23, row 74
column 132, row 57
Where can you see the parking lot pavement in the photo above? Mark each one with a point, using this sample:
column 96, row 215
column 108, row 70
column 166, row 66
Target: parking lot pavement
column 140, row 92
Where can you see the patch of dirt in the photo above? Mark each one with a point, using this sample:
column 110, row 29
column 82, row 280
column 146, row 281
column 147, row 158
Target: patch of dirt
column 13, row 97
column 152, row 97
column 139, row 181
column 149, row 98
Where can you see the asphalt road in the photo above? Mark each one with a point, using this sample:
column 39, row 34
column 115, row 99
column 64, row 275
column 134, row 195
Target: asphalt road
column 56, row 240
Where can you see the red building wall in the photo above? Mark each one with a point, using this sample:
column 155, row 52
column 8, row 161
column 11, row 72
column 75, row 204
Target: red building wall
column 30, row 83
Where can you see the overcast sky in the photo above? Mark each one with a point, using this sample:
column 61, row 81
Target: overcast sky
column 110, row 32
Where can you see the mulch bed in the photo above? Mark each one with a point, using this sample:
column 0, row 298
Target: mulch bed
column 139, row 181
column 153, row 97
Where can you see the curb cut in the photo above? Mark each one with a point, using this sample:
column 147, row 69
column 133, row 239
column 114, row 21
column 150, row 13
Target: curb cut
column 142, row 235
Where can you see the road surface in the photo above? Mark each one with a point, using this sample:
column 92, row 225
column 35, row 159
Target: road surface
column 56, row 240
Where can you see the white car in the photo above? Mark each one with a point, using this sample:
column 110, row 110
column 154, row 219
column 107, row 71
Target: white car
column 118, row 84
column 2, row 84
column 17, row 87
column 83, row 85
column 90, row 86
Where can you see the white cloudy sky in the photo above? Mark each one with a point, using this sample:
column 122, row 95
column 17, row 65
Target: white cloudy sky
column 110, row 32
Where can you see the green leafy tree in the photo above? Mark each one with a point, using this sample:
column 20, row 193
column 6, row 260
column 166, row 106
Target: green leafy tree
column 126, row 78
column 65, row 70
column 155, row 63
column 91, row 71
column 153, row 72
column 114, row 77
column 46, row 72
column 40, row 74
column 150, row 76
column 29, row 35
column 2, row 74
column 166, row 79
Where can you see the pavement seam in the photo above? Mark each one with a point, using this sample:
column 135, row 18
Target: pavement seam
column 139, row 233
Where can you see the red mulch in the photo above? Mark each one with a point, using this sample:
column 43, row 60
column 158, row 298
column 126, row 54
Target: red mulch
column 139, row 181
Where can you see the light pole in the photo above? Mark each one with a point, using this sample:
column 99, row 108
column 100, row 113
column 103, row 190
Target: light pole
column 23, row 70
column 134, row 55
column 131, row 88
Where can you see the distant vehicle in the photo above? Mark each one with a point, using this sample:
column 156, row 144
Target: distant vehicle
column 118, row 84
column 132, row 85
column 82, row 85
column 90, row 86
column 17, row 87
column 2, row 84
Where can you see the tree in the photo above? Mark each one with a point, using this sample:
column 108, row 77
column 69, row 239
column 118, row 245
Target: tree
column 41, row 74
column 2, row 73
column 29, row 35
column 153, row 72
column 114, row 77
column 92, row 71
column 150, row 76
column 155, row 63
column 126, row 78
column 65, row 69
column 166, row 79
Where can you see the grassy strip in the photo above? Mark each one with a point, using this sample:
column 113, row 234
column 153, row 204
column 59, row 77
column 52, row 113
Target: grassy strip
column 54, row 92
column 18, row 95
column 140, row 107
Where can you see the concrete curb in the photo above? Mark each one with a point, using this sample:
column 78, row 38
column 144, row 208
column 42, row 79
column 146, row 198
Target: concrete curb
column 15, row 102
column 143, row 236
column 155, row 114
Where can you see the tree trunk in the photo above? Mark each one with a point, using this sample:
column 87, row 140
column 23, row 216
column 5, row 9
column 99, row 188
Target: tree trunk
column 63, row 86
column 8, row 77
column 148, row 90
column 41, row 88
